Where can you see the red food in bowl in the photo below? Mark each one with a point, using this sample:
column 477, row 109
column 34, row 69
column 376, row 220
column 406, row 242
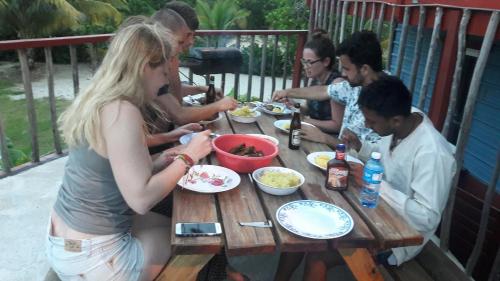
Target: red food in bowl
column 243, row 164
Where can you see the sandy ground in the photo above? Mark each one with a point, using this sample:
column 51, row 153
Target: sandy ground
column 63, row 81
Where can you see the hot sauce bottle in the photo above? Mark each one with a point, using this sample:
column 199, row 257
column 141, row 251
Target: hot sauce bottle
column 337, row 170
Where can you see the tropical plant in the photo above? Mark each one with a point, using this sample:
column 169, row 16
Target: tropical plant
column 38, row 18
column 289, row 14
column 223, row 14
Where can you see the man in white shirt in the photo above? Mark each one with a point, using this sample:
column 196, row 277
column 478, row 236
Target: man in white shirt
column 418, row 162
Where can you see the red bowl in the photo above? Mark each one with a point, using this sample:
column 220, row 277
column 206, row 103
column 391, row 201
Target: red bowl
column 243, row 164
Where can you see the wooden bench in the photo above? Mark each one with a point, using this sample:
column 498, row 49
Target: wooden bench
column 430, row 265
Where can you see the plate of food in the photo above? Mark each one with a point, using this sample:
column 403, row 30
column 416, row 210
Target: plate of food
column 244, row 114
column 209, row 179
column 278, row 180
column 205, row 122
column 320, row 159
column 284, row 125
column 194, row 100
column 275, row 108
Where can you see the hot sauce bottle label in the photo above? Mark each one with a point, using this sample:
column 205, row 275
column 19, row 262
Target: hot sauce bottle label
column 296, row 137
column 337, row 178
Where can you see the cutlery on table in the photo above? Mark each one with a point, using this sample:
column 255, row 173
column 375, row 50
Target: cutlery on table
column 267, row 223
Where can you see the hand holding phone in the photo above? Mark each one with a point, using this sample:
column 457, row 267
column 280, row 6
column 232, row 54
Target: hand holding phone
column 198, row 229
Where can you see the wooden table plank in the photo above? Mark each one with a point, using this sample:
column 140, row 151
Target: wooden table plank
column 287, row 241
column 190, row 206
column 242, row 204
column 389, row 227
column 314, row 188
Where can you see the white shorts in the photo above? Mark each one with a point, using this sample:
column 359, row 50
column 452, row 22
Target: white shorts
column 117, row 257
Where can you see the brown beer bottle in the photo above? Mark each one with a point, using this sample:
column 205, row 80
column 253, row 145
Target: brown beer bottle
column 210, row 94
column 337, row 170
column 294, row 131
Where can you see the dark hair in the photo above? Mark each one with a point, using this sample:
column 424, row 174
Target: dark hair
column 387, row 96
column 322, row 46
column 186, row 12
column 362, row 47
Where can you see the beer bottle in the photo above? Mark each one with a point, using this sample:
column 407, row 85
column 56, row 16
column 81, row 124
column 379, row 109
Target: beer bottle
column 294, row 131
column 337, row 170
column 210, row 95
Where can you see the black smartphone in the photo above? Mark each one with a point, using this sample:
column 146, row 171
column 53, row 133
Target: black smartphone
column 198, row 229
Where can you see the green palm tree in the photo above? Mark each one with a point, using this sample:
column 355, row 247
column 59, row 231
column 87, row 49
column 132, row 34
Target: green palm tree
column 39, row 18
column 224, row 14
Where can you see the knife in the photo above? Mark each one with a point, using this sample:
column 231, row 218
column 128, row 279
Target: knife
column 267, row 223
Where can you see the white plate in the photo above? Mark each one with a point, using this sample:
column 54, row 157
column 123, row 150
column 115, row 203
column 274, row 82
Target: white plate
column 286, row 111
column 273, row 139
column 331, row 155
column 314, row 219
column 193, row 100
column 186, row 138
column 205, row 122
column 280, row 124
column 245, row 119
column 209, row 179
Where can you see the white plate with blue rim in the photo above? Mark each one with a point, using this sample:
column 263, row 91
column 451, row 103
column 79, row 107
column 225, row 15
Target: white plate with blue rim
column 314, row 219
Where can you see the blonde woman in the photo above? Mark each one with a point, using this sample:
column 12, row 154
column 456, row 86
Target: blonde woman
column 101, row 227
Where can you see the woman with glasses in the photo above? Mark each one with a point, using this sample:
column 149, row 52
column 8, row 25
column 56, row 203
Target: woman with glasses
column 318, row 60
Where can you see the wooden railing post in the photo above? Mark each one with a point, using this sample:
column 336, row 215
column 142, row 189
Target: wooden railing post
column 485, row 215
column 74, row 69
column 466, row 124
column 402, row 41
column 457, row 75
column 30, row 104
column 430, row 58
column 52, row 99
column 6, row 163
column 237, row 74
column 285, row 61
column 418, row 46
column 391, row 36
column 297, row 66
column 263, row 62
column 250, row 68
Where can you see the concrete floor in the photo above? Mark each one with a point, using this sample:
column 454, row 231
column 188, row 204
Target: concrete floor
column 25, row 202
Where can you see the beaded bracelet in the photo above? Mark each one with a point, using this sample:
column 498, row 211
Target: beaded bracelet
column 188, row 161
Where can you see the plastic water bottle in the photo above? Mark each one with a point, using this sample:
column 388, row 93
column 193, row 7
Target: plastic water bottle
column 372, row 177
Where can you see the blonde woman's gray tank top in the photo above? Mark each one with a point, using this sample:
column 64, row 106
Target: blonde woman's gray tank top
column 89, row 200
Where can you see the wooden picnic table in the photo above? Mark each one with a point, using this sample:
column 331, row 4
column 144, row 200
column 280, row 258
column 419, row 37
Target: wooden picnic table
column 374, row 229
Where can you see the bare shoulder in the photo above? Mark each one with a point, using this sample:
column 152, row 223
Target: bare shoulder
column 120, row 111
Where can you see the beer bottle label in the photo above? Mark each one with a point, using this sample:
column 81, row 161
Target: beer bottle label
column 337, row 177
column 296, row 137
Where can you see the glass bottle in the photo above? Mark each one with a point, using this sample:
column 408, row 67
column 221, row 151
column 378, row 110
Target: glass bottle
column 294, row 131
column 211, row 95
column 337, row 170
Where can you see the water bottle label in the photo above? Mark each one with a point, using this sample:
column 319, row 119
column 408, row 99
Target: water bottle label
column 377, row 177
column 296, row 137
column 372, row 187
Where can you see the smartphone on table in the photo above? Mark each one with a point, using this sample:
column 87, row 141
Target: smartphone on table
column 198, row 229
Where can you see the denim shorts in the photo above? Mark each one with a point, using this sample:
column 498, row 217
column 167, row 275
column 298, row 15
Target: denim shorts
column 117, row 257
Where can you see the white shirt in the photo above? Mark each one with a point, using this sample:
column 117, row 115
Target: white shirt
column 417, row 178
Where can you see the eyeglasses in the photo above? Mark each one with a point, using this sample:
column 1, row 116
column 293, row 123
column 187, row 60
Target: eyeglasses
column 308, row 63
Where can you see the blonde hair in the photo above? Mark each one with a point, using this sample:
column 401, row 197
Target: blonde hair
column 119, row 78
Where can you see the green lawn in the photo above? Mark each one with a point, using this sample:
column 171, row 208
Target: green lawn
column 15, row 120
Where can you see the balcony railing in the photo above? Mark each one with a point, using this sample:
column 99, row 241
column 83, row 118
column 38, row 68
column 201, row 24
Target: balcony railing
column 281, row 43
